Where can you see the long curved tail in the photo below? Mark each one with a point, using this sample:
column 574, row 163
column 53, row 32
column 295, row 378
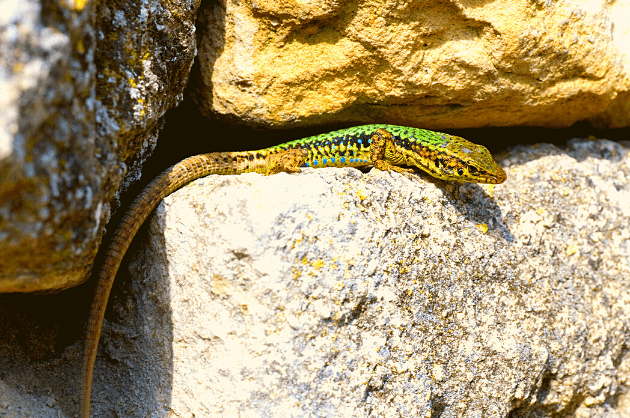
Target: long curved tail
column 166, row 183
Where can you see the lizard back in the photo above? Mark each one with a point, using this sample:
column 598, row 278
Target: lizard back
column 442, row 155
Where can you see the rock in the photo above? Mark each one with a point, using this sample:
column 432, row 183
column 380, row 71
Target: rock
column 14, row 404
column 144, row 58
column 431, row 64
column 84, row 91
column 338, row 293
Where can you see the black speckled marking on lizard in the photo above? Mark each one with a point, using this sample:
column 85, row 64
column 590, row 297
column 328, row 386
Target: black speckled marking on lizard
column 384, row 146
column 442, row 155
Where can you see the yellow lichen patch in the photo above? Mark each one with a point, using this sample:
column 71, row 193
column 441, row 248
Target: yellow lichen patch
column 79, row 4
column 483, row 228
column 80, row 47
column 318, row 264
column 572, row 249
column 296, row 273
column 362, row 194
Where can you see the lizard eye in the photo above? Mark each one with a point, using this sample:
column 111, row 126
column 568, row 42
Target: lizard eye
column 472, row 169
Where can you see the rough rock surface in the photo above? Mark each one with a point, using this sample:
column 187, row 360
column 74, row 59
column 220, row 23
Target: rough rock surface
column 434, row 64
column 84, row 86
column 338, row 293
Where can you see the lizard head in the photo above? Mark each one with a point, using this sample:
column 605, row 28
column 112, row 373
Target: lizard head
column 455, row 158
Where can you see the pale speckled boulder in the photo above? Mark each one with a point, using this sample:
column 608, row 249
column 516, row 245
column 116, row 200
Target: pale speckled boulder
column 423, row 63
column 337, row 293
column 85, row 86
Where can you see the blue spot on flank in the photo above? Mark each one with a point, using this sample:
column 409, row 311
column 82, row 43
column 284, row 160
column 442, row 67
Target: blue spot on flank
column 332, row 160
column 306, row 165
column 351, row 160
column 314, row 162
column 343, row 159
column 359, row 141
column 324, row 162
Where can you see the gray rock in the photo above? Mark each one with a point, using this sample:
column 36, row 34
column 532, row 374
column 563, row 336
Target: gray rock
column 51, row 195
column 84, row 91
column 338, row 293
column 17, row 404
column 349, row 294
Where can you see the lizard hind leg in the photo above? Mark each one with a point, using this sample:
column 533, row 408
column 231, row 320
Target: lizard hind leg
column 288, row 161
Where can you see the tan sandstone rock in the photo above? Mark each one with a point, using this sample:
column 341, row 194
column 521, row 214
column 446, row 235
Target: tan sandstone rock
column 431, row 63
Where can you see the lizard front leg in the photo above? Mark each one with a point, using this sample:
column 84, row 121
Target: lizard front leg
column 288, row 161
column 382, row 146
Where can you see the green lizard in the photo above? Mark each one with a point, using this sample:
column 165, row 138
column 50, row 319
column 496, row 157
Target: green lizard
column 385, row 147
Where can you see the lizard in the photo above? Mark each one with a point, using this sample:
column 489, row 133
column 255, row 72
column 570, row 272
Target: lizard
column 386, row 147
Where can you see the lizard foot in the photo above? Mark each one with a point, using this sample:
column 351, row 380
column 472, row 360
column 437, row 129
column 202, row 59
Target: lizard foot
column 288, row 161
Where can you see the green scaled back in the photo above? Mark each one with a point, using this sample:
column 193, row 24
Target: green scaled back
column 444, row 156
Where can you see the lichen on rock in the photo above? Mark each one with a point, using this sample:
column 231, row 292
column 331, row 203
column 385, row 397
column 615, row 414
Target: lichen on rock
column 85, row 87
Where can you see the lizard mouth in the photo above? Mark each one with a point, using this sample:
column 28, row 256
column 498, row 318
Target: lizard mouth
column 495, row 176
column 501, row 176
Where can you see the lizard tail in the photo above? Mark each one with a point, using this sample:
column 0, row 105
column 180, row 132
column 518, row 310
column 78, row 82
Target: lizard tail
column 166, row 183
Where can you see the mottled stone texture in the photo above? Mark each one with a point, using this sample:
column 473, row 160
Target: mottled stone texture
column 85, row 85
column 435, row 64
column 342, row 294
column 338, row 293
